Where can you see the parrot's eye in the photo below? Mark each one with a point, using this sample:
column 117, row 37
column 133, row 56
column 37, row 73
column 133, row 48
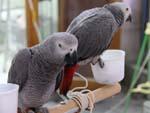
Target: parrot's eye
column 70, row 49
column 127, row 9
column 60, row 45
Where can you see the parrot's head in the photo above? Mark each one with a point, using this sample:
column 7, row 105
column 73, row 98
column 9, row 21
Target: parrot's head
column 62, row 47
column 125, row 8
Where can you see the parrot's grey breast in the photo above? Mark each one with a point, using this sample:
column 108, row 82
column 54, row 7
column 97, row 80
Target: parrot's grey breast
column 41, row 82
column 36, row 94
column 94, row 33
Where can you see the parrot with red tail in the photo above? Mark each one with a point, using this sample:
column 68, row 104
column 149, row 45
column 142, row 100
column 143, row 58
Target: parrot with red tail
column 94, row 29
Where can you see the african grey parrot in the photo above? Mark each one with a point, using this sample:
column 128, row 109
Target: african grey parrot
column 35, row 69
column 94, row 29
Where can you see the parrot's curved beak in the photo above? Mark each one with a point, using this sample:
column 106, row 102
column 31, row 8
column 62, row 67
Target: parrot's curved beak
column 71, row 59
column 129, row 18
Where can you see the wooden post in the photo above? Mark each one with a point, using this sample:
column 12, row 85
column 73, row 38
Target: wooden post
column 32, row 37
column 100, row 94
column 62, row 14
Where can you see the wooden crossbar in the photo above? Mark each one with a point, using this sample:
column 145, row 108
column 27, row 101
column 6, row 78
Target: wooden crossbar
column 100, row 94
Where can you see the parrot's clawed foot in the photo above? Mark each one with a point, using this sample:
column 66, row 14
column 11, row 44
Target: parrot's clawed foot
column 31, row 111
column 42, row 110
column 101, row 63
column 98, row 60
column 38, row 110
column 34, row 110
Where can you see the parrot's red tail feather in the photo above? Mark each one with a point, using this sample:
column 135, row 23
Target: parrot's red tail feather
column 67, row 79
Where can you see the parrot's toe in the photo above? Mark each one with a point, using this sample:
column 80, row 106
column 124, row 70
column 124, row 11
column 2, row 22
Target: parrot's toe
column 101, row 63
column 31, row 111
column 42, row 110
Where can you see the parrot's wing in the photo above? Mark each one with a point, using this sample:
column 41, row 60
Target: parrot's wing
column 94, row 34
column 18, row 72
column 59, row 79
column 85, row 15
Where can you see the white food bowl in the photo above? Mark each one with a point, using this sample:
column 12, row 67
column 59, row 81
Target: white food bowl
column 8, row 98
column 113, row 70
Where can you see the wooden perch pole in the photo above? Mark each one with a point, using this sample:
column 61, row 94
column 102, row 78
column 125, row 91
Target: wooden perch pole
column 100, row 94
column 32, row 37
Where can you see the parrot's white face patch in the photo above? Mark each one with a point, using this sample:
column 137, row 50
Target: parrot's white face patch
column 126, row 9
column 64, row 48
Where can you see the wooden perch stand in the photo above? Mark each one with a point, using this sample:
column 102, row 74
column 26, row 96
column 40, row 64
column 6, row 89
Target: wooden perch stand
column 100, row 94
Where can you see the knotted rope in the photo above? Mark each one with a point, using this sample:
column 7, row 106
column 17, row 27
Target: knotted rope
column 84, row 101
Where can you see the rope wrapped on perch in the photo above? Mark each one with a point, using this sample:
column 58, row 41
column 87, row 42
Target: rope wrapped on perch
column 99, row 95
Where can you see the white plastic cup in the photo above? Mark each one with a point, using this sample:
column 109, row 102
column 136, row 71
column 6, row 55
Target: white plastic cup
column 8, row 98
column 113, row 70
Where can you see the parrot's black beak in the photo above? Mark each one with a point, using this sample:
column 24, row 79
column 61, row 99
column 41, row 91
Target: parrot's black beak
column 71, row 59
column 129, row 18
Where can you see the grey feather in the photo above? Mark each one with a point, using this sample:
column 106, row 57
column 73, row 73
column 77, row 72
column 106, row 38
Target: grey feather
column 20, row 62
column 94, row 29
column 35, row 69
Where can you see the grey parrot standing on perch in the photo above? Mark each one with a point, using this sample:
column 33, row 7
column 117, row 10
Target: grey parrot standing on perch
column 94, row 29
column 35, row 69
